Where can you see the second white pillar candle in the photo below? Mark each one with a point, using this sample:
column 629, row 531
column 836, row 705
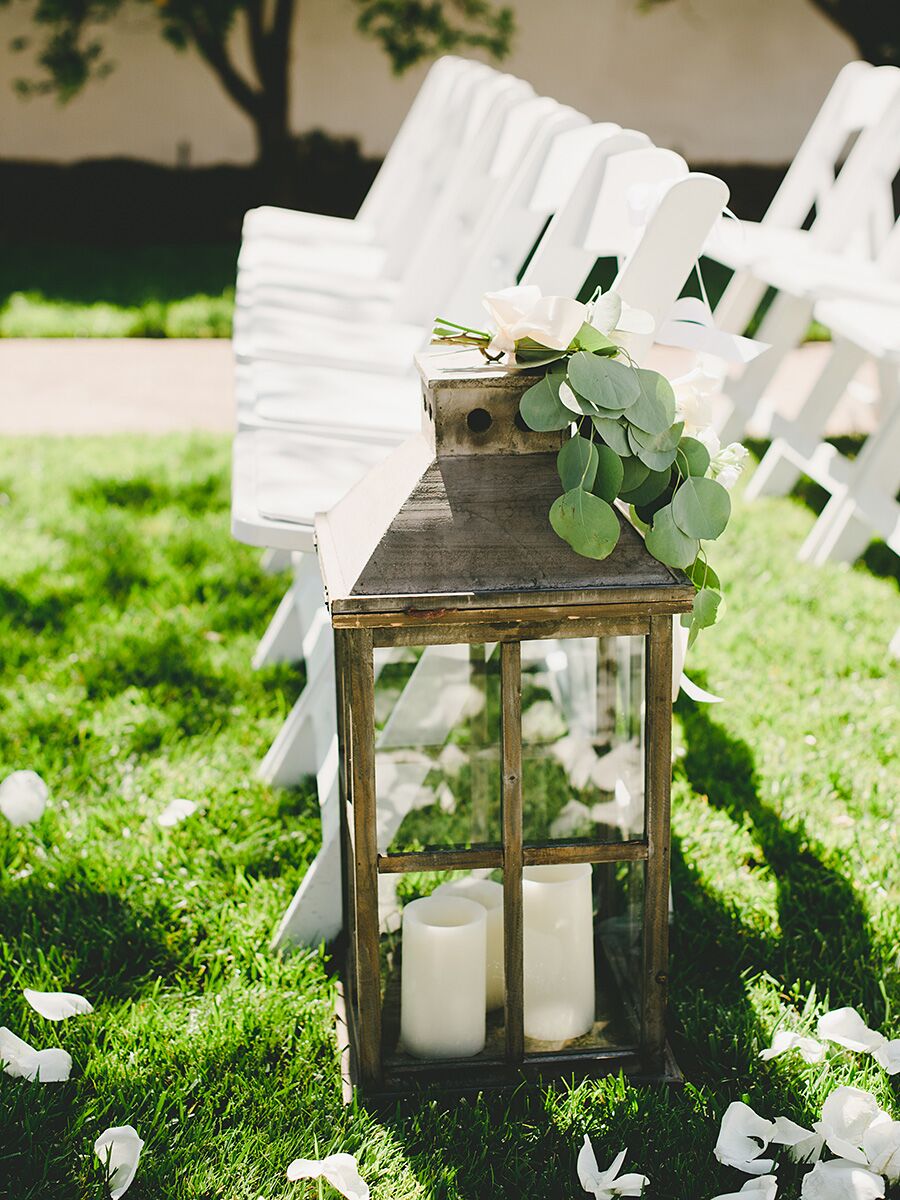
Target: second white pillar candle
column 489, row 894
column 558, row 922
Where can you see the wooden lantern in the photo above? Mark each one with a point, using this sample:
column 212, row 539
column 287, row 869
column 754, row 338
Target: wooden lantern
column 446, row 548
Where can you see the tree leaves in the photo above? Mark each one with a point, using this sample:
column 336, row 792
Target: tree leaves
column 587, row 523
column 652, row 485
column 589, row 338
column 704, row 613
column 633, row 475
column 701, row 508
column 666, row 542
column 614, row 434
column 541, row 407
column 577, row 463
column 603, row 382
column 656, row 450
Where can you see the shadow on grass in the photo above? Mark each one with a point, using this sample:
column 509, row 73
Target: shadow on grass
column 825, row 938
column 878, row 558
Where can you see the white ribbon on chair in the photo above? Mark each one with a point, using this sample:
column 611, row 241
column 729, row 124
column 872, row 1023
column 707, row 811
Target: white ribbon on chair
column 691, row 325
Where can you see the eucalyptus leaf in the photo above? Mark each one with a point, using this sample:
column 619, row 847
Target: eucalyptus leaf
column 702, row 575
column 704, row 613
column 608, row 475
column 666, row 542
column 591, row 339
column 652, row 485
column 577, row 464
column 701, row 508
column 587, row 523
column 575, row 403
column 541, row 408
column 693, row 457
column 613, row 434
column 656, row 451
column 603, row 381
column 633, row 475
column 654, row 409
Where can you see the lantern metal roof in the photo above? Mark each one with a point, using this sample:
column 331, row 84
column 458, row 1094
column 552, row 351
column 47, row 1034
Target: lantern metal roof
column 456, row 519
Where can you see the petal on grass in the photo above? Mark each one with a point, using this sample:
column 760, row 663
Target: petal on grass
column 881, row 1143
column 340, row 1170
column 846, row 1027
column 838, row 1179
column 57, row 1006
column 846, row 1115
column 604, row 1185
column 743, row 1136
column 784, row 1040
column 764, row 1187
column 803, row 1145
column 887, row 1055
column 23, row 797
column 22, row 1061
column 178, row 810
column 119, row 1149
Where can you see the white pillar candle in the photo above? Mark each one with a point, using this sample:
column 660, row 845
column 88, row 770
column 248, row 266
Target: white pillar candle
column 558, row 925
column 442, row 984
column 489, row 894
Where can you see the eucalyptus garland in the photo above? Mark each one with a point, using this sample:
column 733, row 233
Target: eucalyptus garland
column 627, row 445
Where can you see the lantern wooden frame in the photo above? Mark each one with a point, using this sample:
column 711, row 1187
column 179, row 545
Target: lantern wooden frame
column 629, row 594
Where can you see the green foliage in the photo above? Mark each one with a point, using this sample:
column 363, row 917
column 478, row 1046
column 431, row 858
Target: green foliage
column 642, row 459
column 411, row 30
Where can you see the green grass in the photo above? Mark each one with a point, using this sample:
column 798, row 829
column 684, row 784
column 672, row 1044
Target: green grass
column 127, row 621
column 143, row 291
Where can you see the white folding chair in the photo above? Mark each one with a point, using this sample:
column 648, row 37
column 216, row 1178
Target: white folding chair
column 671, row 239
column 860, row 201
column 857, row 100
column 300, row 323
column 422, row 127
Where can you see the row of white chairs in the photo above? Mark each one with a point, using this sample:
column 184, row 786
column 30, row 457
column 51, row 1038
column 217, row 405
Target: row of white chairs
column 484, row 179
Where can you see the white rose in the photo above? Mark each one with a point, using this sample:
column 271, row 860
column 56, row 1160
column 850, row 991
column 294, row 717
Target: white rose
column 522, row 312
column 727, row 465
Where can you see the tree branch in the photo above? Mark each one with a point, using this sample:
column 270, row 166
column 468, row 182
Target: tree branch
column 257, row 30
column 212, row 49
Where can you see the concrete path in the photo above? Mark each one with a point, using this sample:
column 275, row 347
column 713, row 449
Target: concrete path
column 144, row 385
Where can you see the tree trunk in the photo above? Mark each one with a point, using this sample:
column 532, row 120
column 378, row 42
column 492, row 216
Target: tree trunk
column 276, row 156
column 873, row 24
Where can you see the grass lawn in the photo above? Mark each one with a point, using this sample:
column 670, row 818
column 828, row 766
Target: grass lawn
column 127, row 621
column 143, row 291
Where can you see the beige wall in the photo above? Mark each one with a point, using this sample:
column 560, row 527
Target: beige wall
column 719, row 80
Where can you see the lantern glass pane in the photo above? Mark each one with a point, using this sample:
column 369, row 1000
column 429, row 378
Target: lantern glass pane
column 441, row 968
column 582, row 936
column 437, row 760
column 582, row 739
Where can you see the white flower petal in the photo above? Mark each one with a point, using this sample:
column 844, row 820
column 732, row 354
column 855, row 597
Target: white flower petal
column 846, row 1115
column 605, row 312
column 887, row 1055
column 553, row 322
column 24, row 1062
column 635, row 320
column 881, row 1143
column 340, row 1170
column 840, row 1180
column 57, row 1006
column 765, row 1187
column 177, row 811
column 119, row 1149
column 743, row 1136
column 604, row 1185
column 803, row 1144
column 784, row 1040
column 846, row 1027
column 23, row 797
column 586, row 1166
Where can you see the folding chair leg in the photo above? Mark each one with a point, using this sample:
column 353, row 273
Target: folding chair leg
column 867, row 503
column 739, row 302
column 301, row 743
column 782, row 327
column 777, row 473
column 283, row 638
column 315, row 914
column 275, row 561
